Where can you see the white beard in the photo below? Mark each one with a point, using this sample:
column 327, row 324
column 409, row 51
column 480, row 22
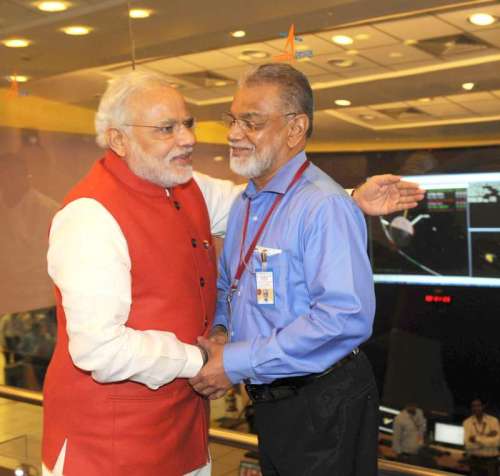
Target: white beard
column 158, row 171
column 252, row 166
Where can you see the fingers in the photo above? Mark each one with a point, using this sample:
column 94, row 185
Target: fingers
column 216, row 395
column 386, row 179
column 405, row 206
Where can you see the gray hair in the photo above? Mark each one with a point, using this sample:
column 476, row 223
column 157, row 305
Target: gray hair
column 112, row 110
column 296, row 92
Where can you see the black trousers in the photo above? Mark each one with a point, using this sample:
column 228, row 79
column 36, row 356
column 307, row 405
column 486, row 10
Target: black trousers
column 329, row 428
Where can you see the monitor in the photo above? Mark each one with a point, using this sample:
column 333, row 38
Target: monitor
column 449, row 434
column 451, row 238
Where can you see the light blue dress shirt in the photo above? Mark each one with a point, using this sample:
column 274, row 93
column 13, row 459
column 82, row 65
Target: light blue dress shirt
column 324, row 296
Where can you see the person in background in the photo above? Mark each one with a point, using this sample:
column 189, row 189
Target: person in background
column 482, row 440
column 409, row 434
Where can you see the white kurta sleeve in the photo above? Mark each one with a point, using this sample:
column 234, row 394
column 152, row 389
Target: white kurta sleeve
column 88, row 261
column 219, row 196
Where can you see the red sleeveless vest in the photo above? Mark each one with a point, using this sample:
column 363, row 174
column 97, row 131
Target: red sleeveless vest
column 127, row 428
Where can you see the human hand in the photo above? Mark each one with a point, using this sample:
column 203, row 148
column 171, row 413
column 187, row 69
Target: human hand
column 218, row 335
column 384, row 194
column 211, row 381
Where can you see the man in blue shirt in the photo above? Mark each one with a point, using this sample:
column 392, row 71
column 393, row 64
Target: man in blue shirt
column 296, row 295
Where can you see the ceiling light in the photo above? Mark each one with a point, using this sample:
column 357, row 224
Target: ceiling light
column 367, row 117
column 352, row 52
column 16, row 42
column 253, row 54
column 341, row 62
column 395, row 54
column 342, row 102
column 468, row 86
column 238, row 33
column 220, row 82
column 52, row 7
column 342, row 40
column 482, row 19
column 218, row 158
column 140, row 13
column 424, row 100
column 410, row 42
column 18, row 78
column 76, row 30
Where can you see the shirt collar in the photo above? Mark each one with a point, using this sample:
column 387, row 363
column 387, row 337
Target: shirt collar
column 279, row 183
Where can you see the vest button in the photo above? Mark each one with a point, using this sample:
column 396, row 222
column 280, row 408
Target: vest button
column 206, row 244
column 202, row 282
column 177, row 205
column 193, row 242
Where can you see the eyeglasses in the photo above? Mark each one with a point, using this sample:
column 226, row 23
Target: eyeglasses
column 248, row 125
column 169, row 128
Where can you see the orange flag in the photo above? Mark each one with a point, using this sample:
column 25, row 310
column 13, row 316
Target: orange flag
column 289, row 54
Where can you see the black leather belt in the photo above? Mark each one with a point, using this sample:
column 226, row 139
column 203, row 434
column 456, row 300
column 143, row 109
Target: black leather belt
column 288, row 387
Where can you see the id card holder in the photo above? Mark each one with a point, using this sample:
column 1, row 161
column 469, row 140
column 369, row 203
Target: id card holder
column 265, row 287
column 264, row 280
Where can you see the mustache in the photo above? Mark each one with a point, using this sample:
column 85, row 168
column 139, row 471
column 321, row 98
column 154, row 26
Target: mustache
column 241, row 146
column 178, row 153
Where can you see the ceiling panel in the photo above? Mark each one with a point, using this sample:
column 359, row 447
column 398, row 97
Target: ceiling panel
column 363, row 36
column 418, row 28
column 395, row 54
column 460, row 18
column 211, row 60
column 491, row 36
column 359, row 63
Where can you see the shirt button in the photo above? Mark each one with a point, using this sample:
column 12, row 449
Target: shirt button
column 202, row 282
column 255, row 218
column 193, row 242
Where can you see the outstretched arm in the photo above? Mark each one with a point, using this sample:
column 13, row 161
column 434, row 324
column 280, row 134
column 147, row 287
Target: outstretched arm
column 384, row 194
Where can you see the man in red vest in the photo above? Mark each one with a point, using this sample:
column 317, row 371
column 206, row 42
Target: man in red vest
column 132, row 259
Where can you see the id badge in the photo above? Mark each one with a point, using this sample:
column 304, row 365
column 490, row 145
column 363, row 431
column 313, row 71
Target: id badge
column 265, row 287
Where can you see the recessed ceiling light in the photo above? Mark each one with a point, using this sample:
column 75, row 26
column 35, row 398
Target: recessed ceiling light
column 220, row 82
column 468, row 86
column 52, row 7
column 410, row 42
column 425, row 100
column 352, row 52
column 342, row 102
column 238, row 33
column 342, row 40
column 395, row 54
column 341, row 62
column 18, row 78
column 367, row 117
column 362, row 36
column 253, row 54
column 218, row 158
column 16, row 42
column 76, row 30
column 140, row 13
column 482, row 19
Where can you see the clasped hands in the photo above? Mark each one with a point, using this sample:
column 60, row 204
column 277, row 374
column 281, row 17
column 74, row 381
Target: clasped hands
column 212, row 381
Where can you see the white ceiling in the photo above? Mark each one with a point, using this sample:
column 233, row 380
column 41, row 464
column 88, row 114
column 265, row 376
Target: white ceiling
column 404, row 81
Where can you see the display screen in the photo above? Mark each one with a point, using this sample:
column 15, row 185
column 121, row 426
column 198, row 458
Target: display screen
column 449, row 434
column 452, row 237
